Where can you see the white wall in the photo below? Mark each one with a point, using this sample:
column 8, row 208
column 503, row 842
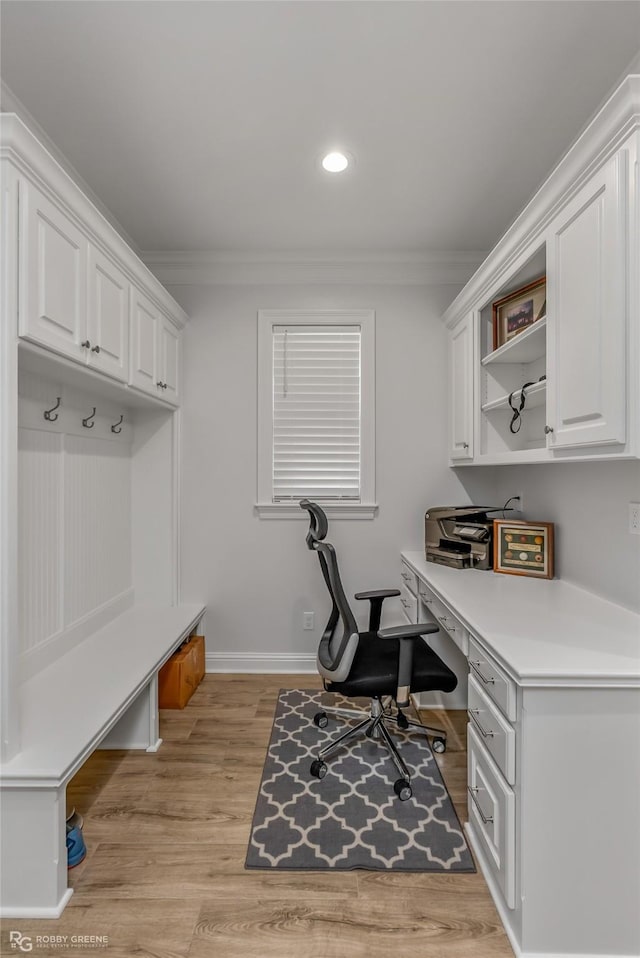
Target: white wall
column 257, row 576
column 588, row 502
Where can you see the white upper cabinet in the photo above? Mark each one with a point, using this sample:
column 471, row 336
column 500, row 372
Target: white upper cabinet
column 75, row 288
column 53, row 275
column 155, row 350
column 107, row 330
column 586, row 250
column 461, row 382
column 145, row 322
column 555, row 307
column 170, row 360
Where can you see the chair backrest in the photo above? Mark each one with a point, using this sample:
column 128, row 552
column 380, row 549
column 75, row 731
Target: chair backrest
column 338, row 644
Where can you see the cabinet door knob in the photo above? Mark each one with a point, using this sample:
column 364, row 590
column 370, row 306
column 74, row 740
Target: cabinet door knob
column 86, row 344
column 95, row 349
column 465, row 445
column 548, row 429
column 159, row 383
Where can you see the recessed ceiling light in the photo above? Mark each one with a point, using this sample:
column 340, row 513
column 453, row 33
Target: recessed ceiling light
column 335, row 162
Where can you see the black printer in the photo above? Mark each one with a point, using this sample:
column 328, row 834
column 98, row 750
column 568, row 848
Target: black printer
column 459, row 536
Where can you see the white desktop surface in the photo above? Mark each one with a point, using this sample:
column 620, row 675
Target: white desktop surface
column 543, row 631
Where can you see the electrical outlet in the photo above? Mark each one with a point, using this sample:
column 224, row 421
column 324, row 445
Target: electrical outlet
column 308, row 620
column 634, row 518
column 520, row 502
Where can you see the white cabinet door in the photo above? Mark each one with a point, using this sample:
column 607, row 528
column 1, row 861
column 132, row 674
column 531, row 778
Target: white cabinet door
column 461, row 348
column 108, row 316
column 145, row 332
column 169, row 361
column 53, row 276
column 587, row 313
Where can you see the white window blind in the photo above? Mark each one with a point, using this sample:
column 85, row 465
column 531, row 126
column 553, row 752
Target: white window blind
column 316, row 412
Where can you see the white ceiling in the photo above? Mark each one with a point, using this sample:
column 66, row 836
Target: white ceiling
column 200, row 124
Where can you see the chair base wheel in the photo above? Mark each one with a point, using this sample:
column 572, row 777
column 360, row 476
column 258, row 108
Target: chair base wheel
column 320, row 719
column 439, row 744
column 318, row 768
column 402, row 720
column 402, row 788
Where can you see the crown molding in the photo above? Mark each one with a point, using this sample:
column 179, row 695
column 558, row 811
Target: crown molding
column 335, row 267
column 33, row 161
column 11, row 104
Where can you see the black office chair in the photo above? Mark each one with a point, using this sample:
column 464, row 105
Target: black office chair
column 385, row 665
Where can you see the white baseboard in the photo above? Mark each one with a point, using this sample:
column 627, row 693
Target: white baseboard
column 261, row 662
column 25, row 911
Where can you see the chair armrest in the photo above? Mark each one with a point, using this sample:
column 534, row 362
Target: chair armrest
column 377, row 594
column 376, row 598
column 410, row 631
column 407, row 634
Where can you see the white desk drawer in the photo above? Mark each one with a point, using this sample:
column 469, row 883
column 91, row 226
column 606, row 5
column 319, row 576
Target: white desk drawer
column 492, row 815
column 443, row 618
column 409, row 578
column 498, row 736
column 497, row 685
column 409, row 604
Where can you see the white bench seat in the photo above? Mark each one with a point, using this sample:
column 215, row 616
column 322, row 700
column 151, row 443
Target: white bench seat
column 102, row 692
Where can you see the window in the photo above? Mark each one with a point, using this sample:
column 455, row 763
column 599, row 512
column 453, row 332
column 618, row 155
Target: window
column 316, row 399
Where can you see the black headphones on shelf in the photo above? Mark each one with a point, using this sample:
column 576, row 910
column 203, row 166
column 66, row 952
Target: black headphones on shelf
column 516, row 420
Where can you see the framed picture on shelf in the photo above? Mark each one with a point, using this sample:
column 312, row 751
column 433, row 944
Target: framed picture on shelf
column 520, row 309
column 523, row 548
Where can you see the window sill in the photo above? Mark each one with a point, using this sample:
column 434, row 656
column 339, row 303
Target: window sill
column 334, row 510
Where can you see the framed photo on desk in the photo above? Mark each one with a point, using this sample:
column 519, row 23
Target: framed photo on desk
column 523, row 548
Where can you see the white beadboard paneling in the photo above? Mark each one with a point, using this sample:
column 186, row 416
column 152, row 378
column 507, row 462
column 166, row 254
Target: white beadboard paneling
column 97, row 496
column 74, row 519
column 40, row 505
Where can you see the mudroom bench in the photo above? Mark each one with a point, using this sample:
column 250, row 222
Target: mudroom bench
column 102, row 693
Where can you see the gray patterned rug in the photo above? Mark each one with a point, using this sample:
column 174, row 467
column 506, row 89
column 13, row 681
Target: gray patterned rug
column 351, row 818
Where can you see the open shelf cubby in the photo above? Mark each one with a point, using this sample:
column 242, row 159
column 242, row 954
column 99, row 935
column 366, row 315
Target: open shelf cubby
column 505, row 370
column 524, row 348
column 535, row 396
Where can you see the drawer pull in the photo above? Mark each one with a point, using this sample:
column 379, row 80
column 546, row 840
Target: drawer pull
column 486, row 733
column 476, row 666
column 406, row 576
column 406, row 604
column 443, row 621
column 473, row 792
column 424, row 599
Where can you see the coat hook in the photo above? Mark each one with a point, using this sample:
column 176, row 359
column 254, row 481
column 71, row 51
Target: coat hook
column 88, row 423
column 47, row 412
column 116, row 426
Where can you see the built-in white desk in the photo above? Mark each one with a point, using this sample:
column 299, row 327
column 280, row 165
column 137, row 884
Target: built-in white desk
column 553, row 752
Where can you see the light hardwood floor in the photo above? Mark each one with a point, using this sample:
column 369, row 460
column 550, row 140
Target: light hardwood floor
column 166, row 835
